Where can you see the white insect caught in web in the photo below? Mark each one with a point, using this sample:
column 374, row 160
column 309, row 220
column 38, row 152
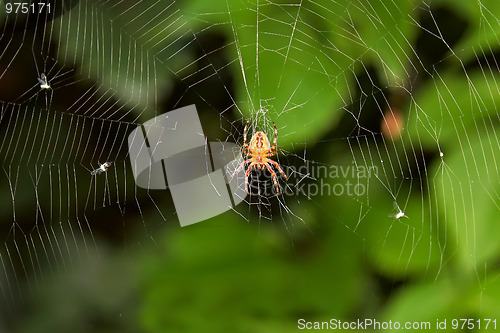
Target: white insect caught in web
column 44, row 83
column 102, row 168
column 399, row 213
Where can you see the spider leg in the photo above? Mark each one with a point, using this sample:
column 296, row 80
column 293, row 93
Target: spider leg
column 273, row 175
column 278, row 167
column 240, row 167
column 247, row 174
column 246, row 153
column 245, row 135
column 271, row 153
column 275, row 141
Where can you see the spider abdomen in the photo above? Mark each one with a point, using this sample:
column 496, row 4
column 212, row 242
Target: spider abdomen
column 260, row 142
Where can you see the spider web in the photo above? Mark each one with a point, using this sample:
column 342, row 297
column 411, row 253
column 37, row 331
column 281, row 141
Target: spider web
column 392, row 143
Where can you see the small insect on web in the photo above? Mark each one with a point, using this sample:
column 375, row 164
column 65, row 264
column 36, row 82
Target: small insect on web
column 102, row 168
column 259, row 150
column 44, row 84
column 399, row 213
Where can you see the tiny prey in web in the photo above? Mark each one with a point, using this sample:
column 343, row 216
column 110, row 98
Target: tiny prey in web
column 102, row 168
column 44, row 84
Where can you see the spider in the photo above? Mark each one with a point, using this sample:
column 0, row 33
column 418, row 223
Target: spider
column 259, row 150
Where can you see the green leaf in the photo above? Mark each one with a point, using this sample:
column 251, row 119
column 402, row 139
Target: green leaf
column 483, row 29
column 488, row 297
column 386, row 31
column 131, row 56
column 467, row 183
column 286, row 69
column 405, row 246
column 225, row 275
column 444, row 112
column 426, row 303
